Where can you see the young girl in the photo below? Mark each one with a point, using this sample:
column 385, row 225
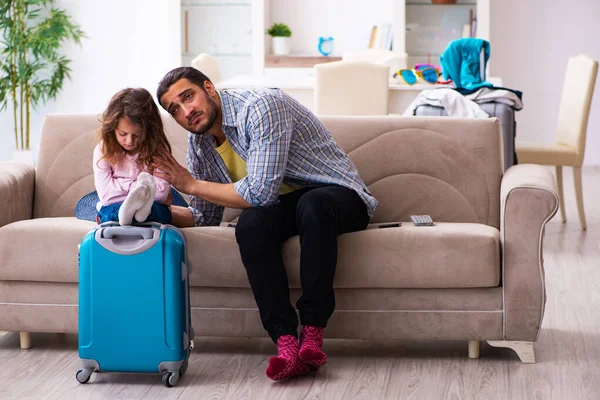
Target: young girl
column 130, row 143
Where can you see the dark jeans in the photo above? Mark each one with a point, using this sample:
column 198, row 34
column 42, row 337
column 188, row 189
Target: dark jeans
column 159, row 213
column 318, row 215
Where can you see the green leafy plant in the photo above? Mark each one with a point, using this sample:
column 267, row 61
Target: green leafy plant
column 32, row 71
column 279, row 30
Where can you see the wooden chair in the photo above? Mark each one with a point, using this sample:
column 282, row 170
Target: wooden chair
column 573, row 115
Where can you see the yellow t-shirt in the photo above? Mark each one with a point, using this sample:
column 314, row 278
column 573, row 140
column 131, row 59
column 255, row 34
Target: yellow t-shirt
column 236, row 166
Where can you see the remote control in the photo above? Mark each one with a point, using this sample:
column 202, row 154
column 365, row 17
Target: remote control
column 392, row 225
column 421, row 220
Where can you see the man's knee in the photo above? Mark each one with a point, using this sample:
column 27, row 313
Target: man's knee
column 316, row 205
column 253, row 225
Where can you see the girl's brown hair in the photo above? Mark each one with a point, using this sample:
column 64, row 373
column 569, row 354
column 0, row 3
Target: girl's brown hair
column 137, row 105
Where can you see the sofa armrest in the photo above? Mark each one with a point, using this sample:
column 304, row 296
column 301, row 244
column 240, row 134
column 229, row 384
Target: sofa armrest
column 17, row 182
column 528, row 201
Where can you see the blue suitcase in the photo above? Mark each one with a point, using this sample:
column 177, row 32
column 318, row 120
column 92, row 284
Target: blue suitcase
column 134, row 312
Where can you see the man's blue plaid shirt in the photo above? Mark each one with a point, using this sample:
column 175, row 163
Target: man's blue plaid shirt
column 281, row 141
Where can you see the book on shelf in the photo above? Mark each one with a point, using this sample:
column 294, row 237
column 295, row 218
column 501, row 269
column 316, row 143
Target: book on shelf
column 472, row 24
column 373, row 36
column 466, row 31
column 381, row 37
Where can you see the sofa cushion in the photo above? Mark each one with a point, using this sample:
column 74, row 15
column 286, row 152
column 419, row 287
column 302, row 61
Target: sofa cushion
column 42, row 249
column 448, row 255
column 449, row 168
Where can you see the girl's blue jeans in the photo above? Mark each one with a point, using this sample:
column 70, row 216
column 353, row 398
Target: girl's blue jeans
column 159, row 213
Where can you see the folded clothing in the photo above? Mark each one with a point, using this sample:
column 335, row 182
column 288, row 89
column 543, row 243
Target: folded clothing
column 464, row 61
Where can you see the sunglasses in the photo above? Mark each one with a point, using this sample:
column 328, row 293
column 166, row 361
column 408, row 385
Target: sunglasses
column 410, row 76
column 420, row 67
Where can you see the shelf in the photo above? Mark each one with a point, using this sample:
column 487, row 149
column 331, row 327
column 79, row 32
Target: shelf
column 220, row 54
column 297, row 61
column 213, row 3
column 218, row 5
column 429, row 4
column 424, row 54
column 441, row 5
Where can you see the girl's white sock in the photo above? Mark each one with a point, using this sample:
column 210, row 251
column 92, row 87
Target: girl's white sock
column 147, row 180
column 136, row 199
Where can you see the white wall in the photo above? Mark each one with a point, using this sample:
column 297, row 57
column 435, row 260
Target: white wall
column 349, row 22
column 530, row 44
column 130, row 43
column 531, row 41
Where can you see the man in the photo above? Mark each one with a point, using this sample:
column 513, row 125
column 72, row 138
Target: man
column 261, row 151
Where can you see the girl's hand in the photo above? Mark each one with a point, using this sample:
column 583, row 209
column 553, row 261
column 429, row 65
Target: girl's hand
column 178, row 176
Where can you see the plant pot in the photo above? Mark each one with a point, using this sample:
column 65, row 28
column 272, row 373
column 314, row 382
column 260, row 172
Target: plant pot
column 443, row 1
column 281, row 45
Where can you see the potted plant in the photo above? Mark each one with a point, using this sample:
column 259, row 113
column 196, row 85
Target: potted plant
column 32, row 70
column 280, row 34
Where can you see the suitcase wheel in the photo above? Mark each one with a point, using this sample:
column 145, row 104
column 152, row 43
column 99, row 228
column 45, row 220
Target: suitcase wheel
column 83, row 375
column 169, row 379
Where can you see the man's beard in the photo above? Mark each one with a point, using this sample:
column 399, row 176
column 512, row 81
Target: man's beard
column 211, row 117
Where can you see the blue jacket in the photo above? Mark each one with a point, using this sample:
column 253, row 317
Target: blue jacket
column 461, row 62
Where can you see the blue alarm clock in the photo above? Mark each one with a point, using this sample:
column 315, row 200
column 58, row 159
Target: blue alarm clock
column 325, row 45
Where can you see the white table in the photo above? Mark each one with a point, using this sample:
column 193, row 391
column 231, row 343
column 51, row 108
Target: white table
column 302, row 89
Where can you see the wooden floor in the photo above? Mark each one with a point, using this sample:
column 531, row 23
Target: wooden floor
column 568, row 350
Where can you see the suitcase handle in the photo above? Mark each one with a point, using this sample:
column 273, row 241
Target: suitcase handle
column 133, row 231
column 118, row 239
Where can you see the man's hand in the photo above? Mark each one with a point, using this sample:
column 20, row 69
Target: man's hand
column 174, row 173
column 182, row 217
column 169, row 200
column 179, row 177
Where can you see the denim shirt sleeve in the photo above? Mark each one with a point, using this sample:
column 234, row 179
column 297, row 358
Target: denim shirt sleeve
column 269, row 126
column 204, row 212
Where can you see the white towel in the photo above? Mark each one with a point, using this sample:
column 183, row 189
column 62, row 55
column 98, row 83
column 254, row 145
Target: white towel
column 490, row 95
column 455, row 104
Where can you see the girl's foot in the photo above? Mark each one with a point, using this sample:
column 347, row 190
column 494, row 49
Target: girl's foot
column 145, row 179
column 134, row 201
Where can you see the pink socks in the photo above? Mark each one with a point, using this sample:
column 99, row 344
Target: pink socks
column 287, row 363
column 311, row 346
column 297, row 359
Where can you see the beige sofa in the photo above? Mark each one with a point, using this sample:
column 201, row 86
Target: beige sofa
column 476, row 275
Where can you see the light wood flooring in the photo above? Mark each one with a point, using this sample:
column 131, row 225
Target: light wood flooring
column 568, row 350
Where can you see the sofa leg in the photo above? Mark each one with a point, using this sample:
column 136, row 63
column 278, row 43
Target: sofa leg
column 523, row 349
column 473, row 348
column 25, row 338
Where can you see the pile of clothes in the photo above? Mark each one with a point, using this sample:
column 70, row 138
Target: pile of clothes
column 464, row 62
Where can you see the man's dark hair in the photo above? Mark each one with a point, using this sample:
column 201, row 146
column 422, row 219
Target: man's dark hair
column 189, row 73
